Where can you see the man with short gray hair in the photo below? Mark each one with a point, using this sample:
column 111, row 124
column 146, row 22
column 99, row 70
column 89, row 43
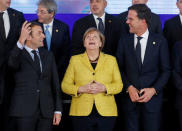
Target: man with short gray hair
column 56, row 32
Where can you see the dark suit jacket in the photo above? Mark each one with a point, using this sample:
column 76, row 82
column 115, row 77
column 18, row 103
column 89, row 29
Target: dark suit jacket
column 32, row 90
column 112, row 33
column 60, row 45
column 173, row 30
column 155, row 68
column 16, row 19
column 155, row 27
column 177, row 72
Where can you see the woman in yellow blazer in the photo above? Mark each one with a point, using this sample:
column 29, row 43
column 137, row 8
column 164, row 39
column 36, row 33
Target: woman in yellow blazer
column 92, row 79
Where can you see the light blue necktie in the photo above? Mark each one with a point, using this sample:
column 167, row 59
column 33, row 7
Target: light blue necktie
column 48, row 37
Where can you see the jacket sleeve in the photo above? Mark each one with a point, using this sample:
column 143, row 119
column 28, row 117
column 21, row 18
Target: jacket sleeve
column 68, row 84
column 164, row 65
column 14, row 58
column 116, row 84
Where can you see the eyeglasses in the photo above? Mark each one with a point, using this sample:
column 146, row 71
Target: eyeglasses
column 41, row 12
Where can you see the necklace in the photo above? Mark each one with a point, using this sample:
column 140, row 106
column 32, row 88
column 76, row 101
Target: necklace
column 95, row 60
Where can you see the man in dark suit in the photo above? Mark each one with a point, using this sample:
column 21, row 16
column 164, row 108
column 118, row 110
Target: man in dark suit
column 172, row 32
column 36, row 100
column 106, row 23
column 144, row 63
column 177, row 78
column 11, row 21
column 155, row 26
column 173, row 27
column 59, row 40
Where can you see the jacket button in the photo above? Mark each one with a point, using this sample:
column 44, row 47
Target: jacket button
column 38, row 91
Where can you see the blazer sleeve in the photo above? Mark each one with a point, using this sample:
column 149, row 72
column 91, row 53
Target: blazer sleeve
column 14, row 58
column 116, row 84
column 56, row 86
column 68, row 85
column 164, row 66
column 177, row 68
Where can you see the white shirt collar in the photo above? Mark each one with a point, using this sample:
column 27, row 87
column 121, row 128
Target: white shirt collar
column 144, row 35
column 30, row 49
column 5, row 11
column 50, row 24
column 102, row 17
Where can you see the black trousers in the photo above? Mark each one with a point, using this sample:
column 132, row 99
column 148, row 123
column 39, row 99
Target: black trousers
column 35, row 123
column 139, row 119
column 93, row 122
column 180, row 119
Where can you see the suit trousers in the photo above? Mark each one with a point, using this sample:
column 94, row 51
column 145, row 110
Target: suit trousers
column 35, row 123
column 180, row 119
column 139, row 119
column 93, row 122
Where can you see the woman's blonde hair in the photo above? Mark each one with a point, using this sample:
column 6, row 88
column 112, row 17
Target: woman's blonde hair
column 93, row 29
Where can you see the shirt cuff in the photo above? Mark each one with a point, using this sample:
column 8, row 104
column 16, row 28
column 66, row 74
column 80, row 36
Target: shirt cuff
column 57, row 112
column 20, row 45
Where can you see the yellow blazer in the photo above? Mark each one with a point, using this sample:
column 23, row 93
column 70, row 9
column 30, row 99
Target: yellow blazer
column 80, row 72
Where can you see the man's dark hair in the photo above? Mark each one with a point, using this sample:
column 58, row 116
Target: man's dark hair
column 143, row 12
column 33, row 23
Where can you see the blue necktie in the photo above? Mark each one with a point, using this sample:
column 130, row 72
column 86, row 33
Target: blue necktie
column 48, row 37
column 101, row 25
column 138, row 52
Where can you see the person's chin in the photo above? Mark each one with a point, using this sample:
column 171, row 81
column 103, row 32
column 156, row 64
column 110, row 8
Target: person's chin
column 41, row 45
column 131, row 31
column 39, row 20
column 8, row 5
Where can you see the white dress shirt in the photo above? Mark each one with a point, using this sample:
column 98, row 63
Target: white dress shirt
column 6, row 22
column 97, row 21
column 143, row 43
column 50, row 27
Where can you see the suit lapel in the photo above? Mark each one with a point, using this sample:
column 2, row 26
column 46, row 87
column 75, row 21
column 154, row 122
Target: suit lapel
column 12, row 21
column 108, row 24
column 86, row 61
column 100, row 62
column 91, row 21
column 55, row 34
column 149, row 49
column 43, row 58
column 29, row 58
column 178, row 24
column 131, row 49
column 45, row 43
